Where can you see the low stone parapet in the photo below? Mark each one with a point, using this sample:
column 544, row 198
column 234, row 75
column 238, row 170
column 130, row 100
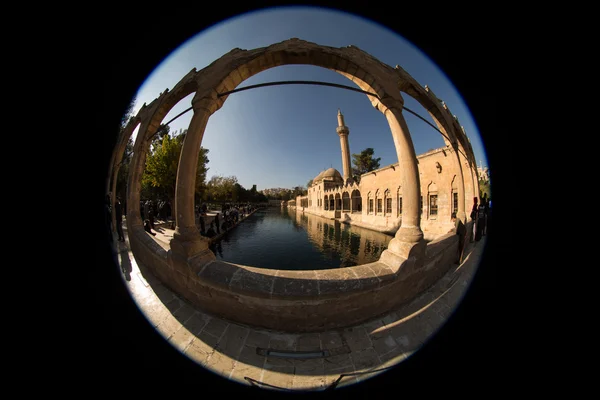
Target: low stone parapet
column 297, row 301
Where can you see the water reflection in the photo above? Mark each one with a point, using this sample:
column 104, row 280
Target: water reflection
column 279, row 238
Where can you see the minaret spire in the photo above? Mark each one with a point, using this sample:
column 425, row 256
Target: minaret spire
column 343, row 132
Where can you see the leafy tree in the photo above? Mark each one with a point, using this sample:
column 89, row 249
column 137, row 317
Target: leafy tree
column 364, row 162
column 160, row 175
column 161, row 132
column 309, row 183
column 220, row 188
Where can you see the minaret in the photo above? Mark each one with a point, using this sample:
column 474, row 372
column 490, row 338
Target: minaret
column 343, row 131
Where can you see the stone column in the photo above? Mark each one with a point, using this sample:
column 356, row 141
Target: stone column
column 408, row 240
column 343, row 132
column 134, row 181
column 187, row 243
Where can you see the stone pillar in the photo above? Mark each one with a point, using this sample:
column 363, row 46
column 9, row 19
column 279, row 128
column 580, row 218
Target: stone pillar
column 408, row 240
column 134, row 181
column 343, row 132
column 187, row 243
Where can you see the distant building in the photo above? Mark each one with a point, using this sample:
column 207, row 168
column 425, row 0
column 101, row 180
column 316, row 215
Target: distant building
column 376, row 202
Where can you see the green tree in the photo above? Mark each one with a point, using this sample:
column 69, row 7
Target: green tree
column 309, row 183
column 484, row 187
column 364, row 162
column 160, row 175
column 221, row 188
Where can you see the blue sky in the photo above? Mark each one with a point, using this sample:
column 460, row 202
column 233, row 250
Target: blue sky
column 283, row 136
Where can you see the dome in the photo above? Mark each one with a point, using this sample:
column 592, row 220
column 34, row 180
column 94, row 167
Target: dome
column 329, row 174
column 318, row 177
column 332, row 173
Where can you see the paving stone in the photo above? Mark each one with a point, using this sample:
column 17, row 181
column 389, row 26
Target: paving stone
column 158, row 316
column 215, row 327
column 308, row 342
column 232, row 340
column 208, row 339
column 184, row 312
column 365, row 359
column 356, row 338
column 342, row 361
column 195, row 323
column 181, row 339
column 199, row 351
column 249, row 364
column 279, row 361
column 279, row 376
column 309, row 366
column 250, row 359
column 220, row 363
column 372, row 326
column 330, row 339
column 395, row 356
column 308, row 382
column 169, row 326
column 383, row 342
column 257, row 339
column 173, row 305
column 283, row 342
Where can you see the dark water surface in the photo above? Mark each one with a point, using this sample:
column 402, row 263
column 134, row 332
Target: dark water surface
column 278, row 238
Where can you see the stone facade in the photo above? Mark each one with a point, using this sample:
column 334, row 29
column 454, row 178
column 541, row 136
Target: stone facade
column 376, row 202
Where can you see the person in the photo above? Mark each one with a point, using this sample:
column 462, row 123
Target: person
column 148, row 227
column 211, row 231
column 461, row 231
column 474, row 218
column 119, row 219
column 217, row 223
column 487, row 216
column 202, row 227
column 481, row 215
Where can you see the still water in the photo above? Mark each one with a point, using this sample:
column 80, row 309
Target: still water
column 281, row 238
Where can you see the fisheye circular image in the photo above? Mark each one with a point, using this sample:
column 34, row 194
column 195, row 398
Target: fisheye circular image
column 298, row 199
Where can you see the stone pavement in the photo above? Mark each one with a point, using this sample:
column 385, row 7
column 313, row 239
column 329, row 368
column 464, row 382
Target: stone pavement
column 270, row 359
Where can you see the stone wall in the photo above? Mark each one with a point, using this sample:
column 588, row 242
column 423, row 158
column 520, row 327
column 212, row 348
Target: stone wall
column 297, row 301
column 437, row 173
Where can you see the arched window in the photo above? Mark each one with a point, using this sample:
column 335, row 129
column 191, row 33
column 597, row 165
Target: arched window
column 399, row 202
column 387, row 202
column 356, row 201
column 345, row 201
column 338, row 201
column 370, row 203
column 326, row 203
column 379, row 203
column 454, row 196
column 331, row 202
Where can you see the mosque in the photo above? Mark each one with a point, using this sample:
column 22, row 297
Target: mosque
column 375, row 202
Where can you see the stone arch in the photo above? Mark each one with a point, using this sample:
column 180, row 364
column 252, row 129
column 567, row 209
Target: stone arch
column 226, row 73
column 338, row 201
column 189, row 260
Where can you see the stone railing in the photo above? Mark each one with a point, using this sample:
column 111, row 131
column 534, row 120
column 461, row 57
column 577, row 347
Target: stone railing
column 296, row 301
